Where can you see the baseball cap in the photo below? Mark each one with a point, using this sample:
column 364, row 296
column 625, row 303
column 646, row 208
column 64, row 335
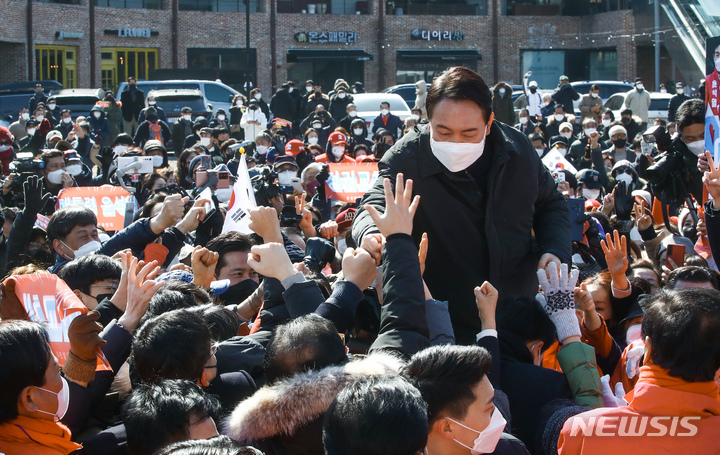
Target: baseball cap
column 153, row 144
column 285, row 159
column 533, row 84
column 294, row 147
column 345, row 218
column 564, row 78
column 54, row 134
column 337, row 138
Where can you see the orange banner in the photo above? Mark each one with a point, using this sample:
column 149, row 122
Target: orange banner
column 347, row 182
column 48, row 300
column 107, row 202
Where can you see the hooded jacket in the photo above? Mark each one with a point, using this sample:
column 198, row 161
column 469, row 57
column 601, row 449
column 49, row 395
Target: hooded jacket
column 286, row 417
column 282, row 105
column 362, row 137
column 460, row 217
column 100, row 127
column 503, row 106
column 338, row 106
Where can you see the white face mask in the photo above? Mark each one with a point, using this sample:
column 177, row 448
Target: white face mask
column 52, row 106
column 624, row 177
column 309, row 88
column 55, row 177
column 566, row 134
column 415, row 117
column 221, row 117
column 205, row 141
column 680, row 91
column 152, row 103
column 591, row 194
column 97, row 114
column 352, row 113
column 25, row 116
column 338, row 151
column 157, row 160
column 239, row 103
column 697, row 147
column 88, row 248
column 341, row 246
column 589, row 131
column 341, row 95
column 258, row 96
column 223, row 195
column 540, row 151
column 187, row 117
column 317, row 126
column 63, row 399
column 487, row 439
column 594, row 95
column 559, row 117
column 717, row 64
column 524, row 120
column 357, row 131
column 290, row 89
column 74, row 169
column 640, row 87
column 663, row 90
column 31, row 131
column 457, row 156
column 312, row 140
column 384, row 111
column 67, row 120
column 606, row 122
column 40, row 118
column 119, row 149
column 285, row 177
column 262, row 149
column 501, row 92
column 562, row 150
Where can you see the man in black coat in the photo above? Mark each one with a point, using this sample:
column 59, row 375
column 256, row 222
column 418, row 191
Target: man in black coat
column 133, row 101
column 565, row 94
column 675, row 102
column 483, row 191
column 388, row 121
column 282, row 104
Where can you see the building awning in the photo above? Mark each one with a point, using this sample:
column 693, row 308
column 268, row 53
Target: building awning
column 440, row 54
column 301, row 55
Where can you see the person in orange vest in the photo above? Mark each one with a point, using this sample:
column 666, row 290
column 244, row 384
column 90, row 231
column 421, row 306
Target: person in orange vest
column 674, row 407
column 337, row 145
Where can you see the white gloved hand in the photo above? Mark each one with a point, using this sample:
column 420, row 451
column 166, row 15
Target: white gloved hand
column 634, row 355
column 559, row 290
column 612, row 399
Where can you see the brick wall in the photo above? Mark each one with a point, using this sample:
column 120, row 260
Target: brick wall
column 227, row 30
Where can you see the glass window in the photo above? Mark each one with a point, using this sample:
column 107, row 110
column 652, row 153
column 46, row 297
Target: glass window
column 217, row 93
column 328, row 7
column 57, row 63
column 256, row 6
column 117, row 64
column 615, row 102
column 437, row 8
column 140, row 4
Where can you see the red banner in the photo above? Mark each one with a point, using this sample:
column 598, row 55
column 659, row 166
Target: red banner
column 107, row 202
column 347, row 182
column 46, row 299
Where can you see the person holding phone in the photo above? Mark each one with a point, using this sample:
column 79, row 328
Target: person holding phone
column 484, row 191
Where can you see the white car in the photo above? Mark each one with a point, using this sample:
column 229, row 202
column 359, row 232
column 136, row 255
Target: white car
column 217, row 94
column 658, row 105
column 368, row 107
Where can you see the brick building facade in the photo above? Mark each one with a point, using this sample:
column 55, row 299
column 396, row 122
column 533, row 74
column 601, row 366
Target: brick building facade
column 386, row 44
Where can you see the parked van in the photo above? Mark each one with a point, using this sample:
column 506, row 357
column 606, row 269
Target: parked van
column 216, row 94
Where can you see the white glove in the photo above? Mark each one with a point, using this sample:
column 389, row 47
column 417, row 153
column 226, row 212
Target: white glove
column 559, row 293
column 634, row 355
column 612, row 400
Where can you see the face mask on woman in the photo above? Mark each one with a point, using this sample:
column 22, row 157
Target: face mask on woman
column 338, row 151
column 312, row 140
column 357, row 131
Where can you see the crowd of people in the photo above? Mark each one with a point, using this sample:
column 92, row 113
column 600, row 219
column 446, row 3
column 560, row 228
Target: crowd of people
column 473, row 301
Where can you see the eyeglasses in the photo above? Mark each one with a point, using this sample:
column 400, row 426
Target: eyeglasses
column 619, row 136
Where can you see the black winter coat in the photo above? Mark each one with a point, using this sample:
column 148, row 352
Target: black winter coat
column 282, row 105
column 565, row 95
column 521, row 197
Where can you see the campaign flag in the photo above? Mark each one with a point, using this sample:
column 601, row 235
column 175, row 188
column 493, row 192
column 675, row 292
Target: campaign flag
column 107, row 202
column 347, row 182
column 45, row 298
column 712, row 97
column 554, row 160
column 241, row 201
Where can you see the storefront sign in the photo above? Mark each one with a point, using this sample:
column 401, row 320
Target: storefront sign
column 326, row 37
column 132, row 32
column 440, row 35
column 69, row 35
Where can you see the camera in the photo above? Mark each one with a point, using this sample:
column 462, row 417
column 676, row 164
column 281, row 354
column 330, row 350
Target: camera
column 25, row 164
column 289, row 216
column 265, row 186
column 667, row 176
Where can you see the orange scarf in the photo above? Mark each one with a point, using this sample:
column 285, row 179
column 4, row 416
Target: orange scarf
column 24, row 435
column 654, row 375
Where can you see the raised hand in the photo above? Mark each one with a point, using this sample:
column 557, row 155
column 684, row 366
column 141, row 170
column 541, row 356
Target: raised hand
column 559, row 288
column 329, row 230
column 264, row 222
column 399, row 209
column 486, row 297
column 615, row 254
column 623, row 201
column 33, row 192
column 203, row 263
column 585, row 303
column 140, row 289
column 359, row 267
column 711, row 179
column 643, row 220
column 373, row 243
column 271, row 260
column 193, row 217
column 173, row 209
